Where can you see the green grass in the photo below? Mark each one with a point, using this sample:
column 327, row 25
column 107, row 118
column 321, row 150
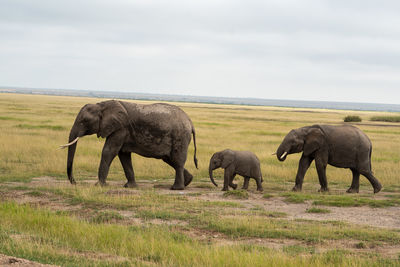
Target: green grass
column 49, row 127
column 239, row 194
column 317, row 210
column 59, row 239
column 106, row 217
column 386, row 118
column 268, row 195
column 296, row 250
column 5, row 118
column 340, row 200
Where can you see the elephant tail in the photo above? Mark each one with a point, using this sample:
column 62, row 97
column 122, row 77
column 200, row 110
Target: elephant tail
column 195, row 148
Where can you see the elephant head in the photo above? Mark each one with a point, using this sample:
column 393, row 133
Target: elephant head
column 305, row 139
column 220, row 159
column 102, row 119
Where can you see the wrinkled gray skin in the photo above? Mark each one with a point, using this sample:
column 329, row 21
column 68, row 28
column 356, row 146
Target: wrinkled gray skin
column 244, row 163
column 342, row 146
column 158, row 131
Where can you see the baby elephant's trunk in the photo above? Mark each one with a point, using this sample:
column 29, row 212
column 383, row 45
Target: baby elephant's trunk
column 210, row 171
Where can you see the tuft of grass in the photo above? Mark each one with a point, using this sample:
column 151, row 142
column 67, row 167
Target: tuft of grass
column 106, row 217
column 239, row 194
column 5, row 118
column 48, row 127
column 204, row 185
column 296, row 250
column 267, row 195
column 35, row 193
column 317, row 210
column 275, row 214
column 352, row 118
column 340, row 200
column 386, row 118
column 360, row 245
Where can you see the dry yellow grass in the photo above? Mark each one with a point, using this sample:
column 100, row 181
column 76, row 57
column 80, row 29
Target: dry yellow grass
column 32, row 128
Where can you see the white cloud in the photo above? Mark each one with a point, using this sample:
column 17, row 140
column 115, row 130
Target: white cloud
column 318, row 50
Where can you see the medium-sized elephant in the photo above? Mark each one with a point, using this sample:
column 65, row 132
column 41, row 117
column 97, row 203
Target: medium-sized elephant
column 343, row 146
column 160, row 131
column 244, row 163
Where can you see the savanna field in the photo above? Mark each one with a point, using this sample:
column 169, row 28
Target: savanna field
column 43, row 218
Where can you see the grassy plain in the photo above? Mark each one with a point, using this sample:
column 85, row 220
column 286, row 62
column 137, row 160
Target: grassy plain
column 45, row 219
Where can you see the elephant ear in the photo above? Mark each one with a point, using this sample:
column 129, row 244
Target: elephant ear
column 113, row 117
column 314, row 140
column 227, row 158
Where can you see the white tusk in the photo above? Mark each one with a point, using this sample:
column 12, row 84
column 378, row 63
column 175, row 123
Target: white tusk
column 273, row 153
column 283, row 155
column 71, row 143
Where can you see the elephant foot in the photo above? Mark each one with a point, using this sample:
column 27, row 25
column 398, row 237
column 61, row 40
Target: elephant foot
column 234, row 186
column 377, row 188
column 188, row 178
column 225, row 189
column 296, row 188
column 130, row 185
column 260, row 189
column 99, row 183
column 177, row 187
column 323, row 189
column 352, row 190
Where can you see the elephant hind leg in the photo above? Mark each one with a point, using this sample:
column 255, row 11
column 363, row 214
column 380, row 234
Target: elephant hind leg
column 355, row 184
column 187, row 176
column 246, row 182
column 259, row 186
column 126, row 162
column 182, row 176
column 374, row 182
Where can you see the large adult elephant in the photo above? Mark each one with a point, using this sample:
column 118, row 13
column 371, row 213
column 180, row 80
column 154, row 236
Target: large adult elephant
column 343, row 146
column 159, row 131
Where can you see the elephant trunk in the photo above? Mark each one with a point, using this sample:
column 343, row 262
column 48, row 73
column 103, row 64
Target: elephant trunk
column 210, row 171
column 282, row 152
column 71, row 153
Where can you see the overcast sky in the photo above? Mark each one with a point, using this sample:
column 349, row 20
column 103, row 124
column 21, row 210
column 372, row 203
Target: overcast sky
column 303, row 50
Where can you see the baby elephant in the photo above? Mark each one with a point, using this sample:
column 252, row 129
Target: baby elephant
column 244, row 163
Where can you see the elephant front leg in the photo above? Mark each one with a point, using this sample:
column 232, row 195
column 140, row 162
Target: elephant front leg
column 320, row 164
column 231, row 184
column 126, row 162
column 355, row 184
column 304, row 164
column 110, row 150
column 228, row 178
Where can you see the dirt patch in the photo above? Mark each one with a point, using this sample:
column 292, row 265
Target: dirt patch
column 18, row 262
